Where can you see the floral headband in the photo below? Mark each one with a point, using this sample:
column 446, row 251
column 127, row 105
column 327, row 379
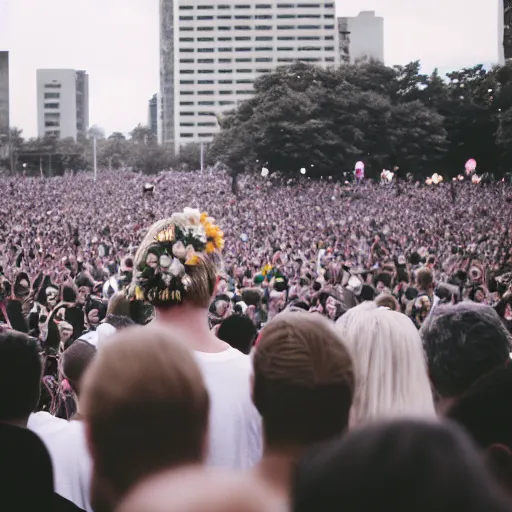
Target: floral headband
column 162, row 274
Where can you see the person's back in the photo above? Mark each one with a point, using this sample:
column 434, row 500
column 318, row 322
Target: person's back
column 176, row 271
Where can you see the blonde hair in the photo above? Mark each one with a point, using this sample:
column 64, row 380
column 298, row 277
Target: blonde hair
column 146, row 405
column 201, row 277
column 303, row 380
column 390, row 366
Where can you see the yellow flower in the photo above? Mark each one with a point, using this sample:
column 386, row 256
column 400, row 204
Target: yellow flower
column 214, row 235
column 192, row 260
column 139, row 293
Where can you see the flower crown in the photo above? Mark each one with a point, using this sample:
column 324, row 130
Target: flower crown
column 162, row 275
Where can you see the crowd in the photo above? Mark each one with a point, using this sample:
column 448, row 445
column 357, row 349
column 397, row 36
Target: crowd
column 306, row 345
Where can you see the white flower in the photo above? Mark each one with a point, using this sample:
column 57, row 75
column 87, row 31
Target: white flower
column 193, row 216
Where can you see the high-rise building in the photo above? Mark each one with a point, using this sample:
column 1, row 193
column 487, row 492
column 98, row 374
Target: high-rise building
column 153, row 115
column 62, row 102
column 211, row 51
column 505, row 31
column 362, row 36
column 4, row 104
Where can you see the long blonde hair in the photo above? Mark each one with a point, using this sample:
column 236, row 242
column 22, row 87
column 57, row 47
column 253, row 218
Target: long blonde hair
column 389, row 362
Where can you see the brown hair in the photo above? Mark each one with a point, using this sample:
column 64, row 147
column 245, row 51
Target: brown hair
column 303, row 380
column 146, row 406
column 385, row 300
column 202, row 277
column 74, row 362
column 424, row 278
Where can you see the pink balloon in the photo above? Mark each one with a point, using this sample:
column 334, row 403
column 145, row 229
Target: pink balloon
column 470, row 165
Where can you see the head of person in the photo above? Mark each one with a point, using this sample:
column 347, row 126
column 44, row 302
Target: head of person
column 385, row 300
column 65, row 332
column 425, row 280
column 145, row 407
column 484, row 412
column 239, row 332
column 463, row 343
column 389, row 363
column 303, row 381
column 20, row 377
column 401, row 466
column 178, row 261
column 74, row 361
column 220, row 491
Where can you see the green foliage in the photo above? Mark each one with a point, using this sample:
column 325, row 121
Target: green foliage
column 326, row 120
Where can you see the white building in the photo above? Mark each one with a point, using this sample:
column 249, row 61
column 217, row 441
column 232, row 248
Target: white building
column 62, row 102
column 212, row 51
column 362, row 36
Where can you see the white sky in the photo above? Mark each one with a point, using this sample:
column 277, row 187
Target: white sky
column 116, row 41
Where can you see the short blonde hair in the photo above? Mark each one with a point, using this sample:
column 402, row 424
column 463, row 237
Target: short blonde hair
column 390, row 366
column 303, row 380
column 146, row 406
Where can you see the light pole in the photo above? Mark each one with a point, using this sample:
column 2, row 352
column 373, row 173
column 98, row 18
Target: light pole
column 95, row 163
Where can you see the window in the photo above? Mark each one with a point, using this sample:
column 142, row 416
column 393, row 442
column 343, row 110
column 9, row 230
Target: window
column 284, row 59
column 248, row 59
column 286, row 6
column 186, row 124
column 264, row 38
column 328, row 27
column 224, row 39
column 244, row 70
column 205, row 61
column 225, row 71
column 243, row 17
column 243, row 49
column 205, row 50
column 49, row 124
column 242, row 6
column 205, row 7
column 245, row 92
column 263, row 70
column 285, row 16
column 224, row 28
column 183, row 103
column 204, row 82
column 205, row 93
column 186, row 39
column 205, row 17
column 263, row 17
column 329, row 16
column 329, row 48
column 225, row 49
column 51, row 105
column 245, row 81
column 52, row 86
column 329, row 59
column 206, row 135
column 186, row 18
column 186, row 50
column 263, row 27
column 302, row 16
column 285, row 49
column 54, row 133
column 205, row 71
column 205, row 39
column 242, row 27
column 223, row 103
column 263, row 49
column 226, row 93
column 285, row 27
column 206, row 103
column 205, row 29
column 186, row 71
column 309, row 27
column 225, row 61
column 286, row 38
column 242, row 38
column 263, row 59
column 51, row 95
column 186, row 29
column 205, row 124
column 308, row 38
column 224, row 7
column 186, row 7
column 186, row 135
column 186, row 113
column 309, row 6
column 224, row 17
column 52, row 115
column 263, row 6
column 225, row 82
column 206, row 113
column 329, row 38
column 186, row 82
column 187, row 61
column 186, row 93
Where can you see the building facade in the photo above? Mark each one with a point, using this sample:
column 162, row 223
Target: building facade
column 211, row 52
column 362, row 36
column 4, row 104
column 505, row 31
column 62, row 103
column 153, row 115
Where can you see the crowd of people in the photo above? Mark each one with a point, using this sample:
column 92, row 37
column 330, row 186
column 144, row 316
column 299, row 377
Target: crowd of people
column 305, row 345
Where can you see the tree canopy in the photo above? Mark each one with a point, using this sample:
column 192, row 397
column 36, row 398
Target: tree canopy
column 326, row 120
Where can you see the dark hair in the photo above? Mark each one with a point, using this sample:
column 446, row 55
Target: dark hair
column 239, row 332
column 20, row 375
column 484, row 411
column 401, row 466
column 462, row 344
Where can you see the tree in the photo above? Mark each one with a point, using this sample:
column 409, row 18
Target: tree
column 96, row 132
column 142, row 135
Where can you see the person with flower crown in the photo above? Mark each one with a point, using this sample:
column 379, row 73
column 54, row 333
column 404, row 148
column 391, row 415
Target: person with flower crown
column 177, row 269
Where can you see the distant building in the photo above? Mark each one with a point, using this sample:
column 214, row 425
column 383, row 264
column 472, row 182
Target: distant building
column 62, row 102
column 153, row 115
column 212, row 51
column 362, row 37
column 505, row 31
column 4, row 104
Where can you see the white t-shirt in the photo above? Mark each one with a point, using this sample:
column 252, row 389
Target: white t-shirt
column 72, row 464
column 235, row 439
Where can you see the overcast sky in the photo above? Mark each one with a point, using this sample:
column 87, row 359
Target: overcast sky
column 116, row 41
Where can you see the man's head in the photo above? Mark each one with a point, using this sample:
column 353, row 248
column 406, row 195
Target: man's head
column 177, row 262
column 463, row 343
column 74, row 362
column 425, row 280
column 303, row 381
column 20, row 377
column 239, row 331
column 146, row 409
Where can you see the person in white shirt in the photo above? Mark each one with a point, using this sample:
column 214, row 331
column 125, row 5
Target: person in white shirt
column 176, row 270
